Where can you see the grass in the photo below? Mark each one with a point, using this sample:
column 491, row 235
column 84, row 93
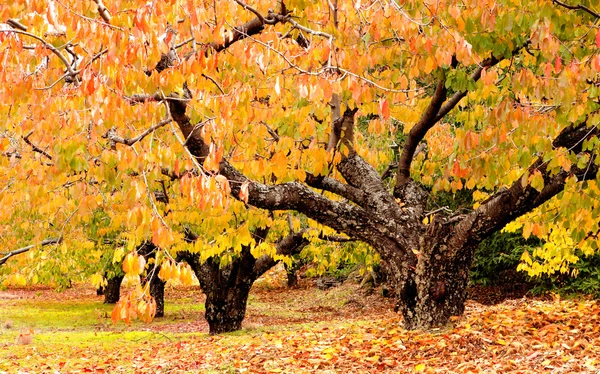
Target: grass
column 296, row 331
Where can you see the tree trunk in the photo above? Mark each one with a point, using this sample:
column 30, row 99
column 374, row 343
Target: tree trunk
column 292, row 277
column 157, row 285
column 157, row 291
column 227, row 287
column 437, row 288
column 226, row 305
column 112, row 290
column 292, row 271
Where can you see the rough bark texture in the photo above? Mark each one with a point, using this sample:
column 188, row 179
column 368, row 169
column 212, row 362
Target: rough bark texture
column 227, row 287
column 112, row 290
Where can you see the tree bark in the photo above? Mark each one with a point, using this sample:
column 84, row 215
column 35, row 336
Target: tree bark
column 226, row 297
column 157, row 285
column 112, row 290
column 227, row 287
column 437, row 288
column 157, row 291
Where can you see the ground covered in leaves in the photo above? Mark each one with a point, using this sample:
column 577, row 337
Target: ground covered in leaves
column 305, row 330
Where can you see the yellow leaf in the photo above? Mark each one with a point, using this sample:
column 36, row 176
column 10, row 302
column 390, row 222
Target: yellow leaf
column 118, row 255
column 419, row 368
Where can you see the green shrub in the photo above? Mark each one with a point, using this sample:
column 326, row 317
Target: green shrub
column 497, row 254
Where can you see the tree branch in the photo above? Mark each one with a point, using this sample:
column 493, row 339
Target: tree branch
column 418, row 132
column 432, row 115
column 34, row 147
column 15, row 252
column 64, row 60
column 16, row 24
column 509, row 204
column 248, row 7
column 334, row 238
column 102, row 11
column 346, row 191
column 251, row 27
column 291, row 245
column 455, row 99
column 577, row 7
column 113, row 138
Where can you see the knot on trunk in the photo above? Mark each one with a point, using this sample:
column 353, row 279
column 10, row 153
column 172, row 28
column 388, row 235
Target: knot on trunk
column 438, row 291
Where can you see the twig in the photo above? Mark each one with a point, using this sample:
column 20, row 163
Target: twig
column 577, row 7
column 330, row 68
column 113, row 138
column 16, row 24
column 35, row 147
column 47, row 45
column 248, row 7
column 215, row 82
column 66, row 75
column 177, row 46
column 309, row 31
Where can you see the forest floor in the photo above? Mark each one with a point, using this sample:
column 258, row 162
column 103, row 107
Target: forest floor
column 303, row 330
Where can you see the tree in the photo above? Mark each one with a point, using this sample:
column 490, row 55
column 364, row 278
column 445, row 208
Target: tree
column 354, row 115
column 227, row 287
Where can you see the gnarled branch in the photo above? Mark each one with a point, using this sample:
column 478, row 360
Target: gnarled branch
column 508, row 204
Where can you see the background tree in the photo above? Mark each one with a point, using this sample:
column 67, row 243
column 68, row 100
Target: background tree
column 261, row 105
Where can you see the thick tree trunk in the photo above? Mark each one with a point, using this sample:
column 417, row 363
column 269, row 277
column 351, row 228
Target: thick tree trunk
column 227, row 287
column 112, row 290
column 437, row 288
column 226, row 305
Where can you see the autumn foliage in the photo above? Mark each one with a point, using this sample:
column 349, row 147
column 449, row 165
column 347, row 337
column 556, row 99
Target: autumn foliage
column 180, row 116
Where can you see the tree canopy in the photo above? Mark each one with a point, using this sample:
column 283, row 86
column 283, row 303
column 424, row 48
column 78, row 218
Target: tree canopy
column 174, row 114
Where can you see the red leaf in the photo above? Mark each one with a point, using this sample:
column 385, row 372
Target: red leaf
column 548, row 70
column 384, row 107
column 557, row 64
column 598, row 38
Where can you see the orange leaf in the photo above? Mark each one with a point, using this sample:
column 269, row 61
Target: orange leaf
column 244, row 191
column 384, row 108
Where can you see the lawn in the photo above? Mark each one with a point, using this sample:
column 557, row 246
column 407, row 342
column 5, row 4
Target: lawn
column 303, row 330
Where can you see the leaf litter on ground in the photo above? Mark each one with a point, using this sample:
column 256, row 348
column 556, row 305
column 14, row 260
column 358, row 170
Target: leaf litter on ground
column 304, row 330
